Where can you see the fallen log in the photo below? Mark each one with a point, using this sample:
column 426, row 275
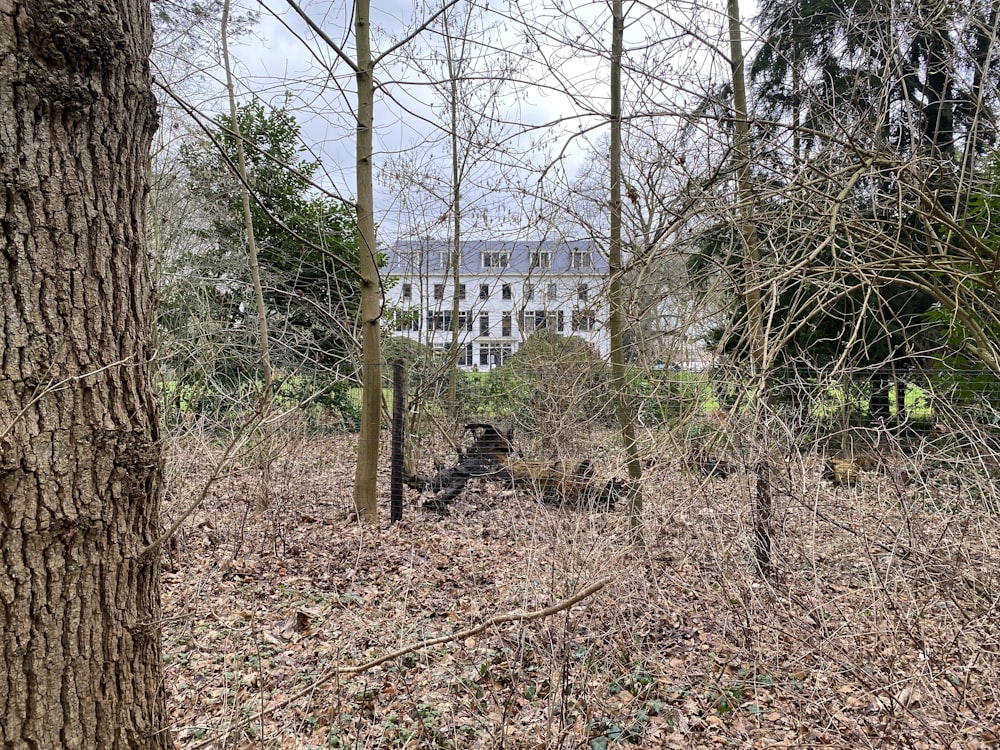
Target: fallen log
column 493, row 456
column 559, row 484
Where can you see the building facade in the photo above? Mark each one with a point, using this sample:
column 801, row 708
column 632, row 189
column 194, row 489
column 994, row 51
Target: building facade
column 507, row 290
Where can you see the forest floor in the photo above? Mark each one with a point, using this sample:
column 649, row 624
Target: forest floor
column 881, row 628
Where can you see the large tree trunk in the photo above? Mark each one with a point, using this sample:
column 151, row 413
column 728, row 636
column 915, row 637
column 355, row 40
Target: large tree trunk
column 80, row 478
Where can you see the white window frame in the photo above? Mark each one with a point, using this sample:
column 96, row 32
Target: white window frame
column 496, row 259
column 580, row 259
column 541, row 259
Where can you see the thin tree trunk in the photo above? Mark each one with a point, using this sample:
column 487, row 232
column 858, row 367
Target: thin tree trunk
column 267, row 391
column 798, row 158
column 616, row 293
column 763, row 503
column 253, row 262
column 365, row 487
column 456, row 215
column 80, row 462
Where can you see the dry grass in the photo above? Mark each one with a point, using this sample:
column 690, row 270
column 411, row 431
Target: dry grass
column 882, row 630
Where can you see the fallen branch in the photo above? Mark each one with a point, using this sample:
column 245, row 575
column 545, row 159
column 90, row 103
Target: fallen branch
column 492, row 455
column 516, row 616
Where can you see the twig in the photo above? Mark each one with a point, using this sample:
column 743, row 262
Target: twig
column 237, row 442
column 240, row 438
column 516, row 616
column 52, row 387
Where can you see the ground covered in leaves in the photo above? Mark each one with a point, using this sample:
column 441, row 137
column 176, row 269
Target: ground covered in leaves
column 880, row 629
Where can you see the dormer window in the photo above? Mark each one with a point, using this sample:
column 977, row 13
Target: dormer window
column 496, row 259
column 437, row 260
column 580, row 259
column 541, row 259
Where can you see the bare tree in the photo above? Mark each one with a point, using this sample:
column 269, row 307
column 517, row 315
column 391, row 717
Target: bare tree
column 364, row 66
column 751, row 292
column 252, row 259
column 463, row 61
column 616, row 296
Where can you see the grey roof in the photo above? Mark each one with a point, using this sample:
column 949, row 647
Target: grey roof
column 430, row 256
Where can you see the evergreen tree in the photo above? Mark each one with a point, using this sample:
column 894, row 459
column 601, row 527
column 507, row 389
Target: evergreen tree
column 306, row 241
column 865, row 114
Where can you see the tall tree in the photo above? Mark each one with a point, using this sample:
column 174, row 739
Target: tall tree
column 616, row 295
column 80, row 661
column 364, row 66
column 253, row 258
column 365, row 487
column 751, row 291
column 464, row 63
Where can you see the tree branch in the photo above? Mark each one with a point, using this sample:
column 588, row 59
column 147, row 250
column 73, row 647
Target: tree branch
column 516, row 616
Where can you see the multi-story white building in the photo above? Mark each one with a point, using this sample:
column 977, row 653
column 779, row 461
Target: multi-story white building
column 507, row 290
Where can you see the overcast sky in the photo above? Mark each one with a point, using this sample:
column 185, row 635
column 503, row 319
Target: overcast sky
column 282, row 55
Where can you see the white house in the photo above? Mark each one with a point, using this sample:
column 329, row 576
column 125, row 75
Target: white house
column 507, row 290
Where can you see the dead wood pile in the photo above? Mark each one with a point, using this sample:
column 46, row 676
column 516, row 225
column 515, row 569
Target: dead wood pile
column 493, row 456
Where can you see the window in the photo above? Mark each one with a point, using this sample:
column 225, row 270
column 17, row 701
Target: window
column 407, row 291
column 529, row 291
column 484, row 291
column 505, row 324
column 440, row 321
column 435, row 259
column 484, row 324
column 465, row 321
column 541, row 259
column 465, row 356
column 506, row 291
column 535, row 320
column 439, row 291
column 461, row 291
column 579, row 259
column 553, row 292
column 407, row 320
column 583, row 320
column 493, row 355
column 496, row 259
column 581, row 292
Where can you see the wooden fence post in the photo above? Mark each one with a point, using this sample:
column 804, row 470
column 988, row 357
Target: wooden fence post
column 398, row 437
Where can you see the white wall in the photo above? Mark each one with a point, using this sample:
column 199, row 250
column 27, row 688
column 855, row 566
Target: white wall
column 552, row 292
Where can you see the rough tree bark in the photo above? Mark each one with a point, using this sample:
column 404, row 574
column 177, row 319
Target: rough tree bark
column 80, row 477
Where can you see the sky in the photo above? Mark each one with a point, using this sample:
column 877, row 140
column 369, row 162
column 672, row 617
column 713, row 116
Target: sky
column 281, row 56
